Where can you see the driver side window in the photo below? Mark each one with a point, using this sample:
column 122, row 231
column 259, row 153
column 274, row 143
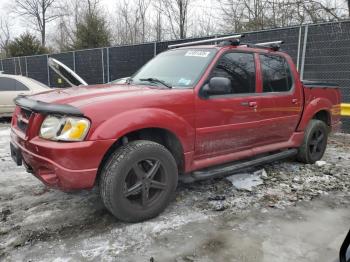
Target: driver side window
column 240, row 69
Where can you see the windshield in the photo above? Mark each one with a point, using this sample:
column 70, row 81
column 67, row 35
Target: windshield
column 176, row 68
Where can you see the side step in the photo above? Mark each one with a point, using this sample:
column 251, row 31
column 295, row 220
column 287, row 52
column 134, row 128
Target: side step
column 228, row 169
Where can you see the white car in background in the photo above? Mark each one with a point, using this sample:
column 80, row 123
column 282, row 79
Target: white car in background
column 13, row 85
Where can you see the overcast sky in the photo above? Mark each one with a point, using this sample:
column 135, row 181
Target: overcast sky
column 19, row 26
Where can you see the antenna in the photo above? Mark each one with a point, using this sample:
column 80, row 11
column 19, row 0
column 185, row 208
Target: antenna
column 206, row 41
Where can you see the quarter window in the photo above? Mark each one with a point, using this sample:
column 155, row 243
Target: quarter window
column 240, row 69
column 21, row 87
column 276, row 74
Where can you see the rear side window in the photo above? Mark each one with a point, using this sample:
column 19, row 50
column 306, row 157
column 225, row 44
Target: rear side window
column 276, row 74
column 240, row 69
column 21, row 87
column 7, row 84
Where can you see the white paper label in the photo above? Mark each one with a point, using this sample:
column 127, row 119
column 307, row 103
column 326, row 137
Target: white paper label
column 197, row 53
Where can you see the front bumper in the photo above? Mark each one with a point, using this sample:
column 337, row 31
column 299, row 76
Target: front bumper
column 63, row 165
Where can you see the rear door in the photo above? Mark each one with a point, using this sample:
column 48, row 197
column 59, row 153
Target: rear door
column 280, row 104
column 7, row 94
column 10, row 88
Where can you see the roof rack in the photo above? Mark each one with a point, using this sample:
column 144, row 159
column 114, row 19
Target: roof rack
column 274, row 45
column 270, row 43
column 207, row 41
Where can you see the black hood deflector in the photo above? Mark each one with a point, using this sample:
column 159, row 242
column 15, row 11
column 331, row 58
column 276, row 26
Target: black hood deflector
column 46, row 108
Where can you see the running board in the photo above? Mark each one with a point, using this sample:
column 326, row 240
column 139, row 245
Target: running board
column 228, row 169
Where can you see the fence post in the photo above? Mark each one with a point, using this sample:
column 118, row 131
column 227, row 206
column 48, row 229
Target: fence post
column 299, row 46
column 73, row 53
column 48, row 70
column 304, row 51
column 14, row 63
column 20, row 67
column 108, row 73
column 25, row 58
column 103, row 67
column 155, row 49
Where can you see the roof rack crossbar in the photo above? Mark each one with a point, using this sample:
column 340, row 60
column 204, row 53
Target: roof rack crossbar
column 206, row 41
column 270, row 43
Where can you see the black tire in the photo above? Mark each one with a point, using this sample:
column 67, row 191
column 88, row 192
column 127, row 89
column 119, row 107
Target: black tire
column 314, row 143
column 138, row 181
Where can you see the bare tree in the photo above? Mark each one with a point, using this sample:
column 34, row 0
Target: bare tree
column 176, row 12
column 5, row 35
column 206, row 24
column 39, row 13
column 261, row 14
column 143, row 6
column 132, row 21
column 127, row 19
column 158, row 24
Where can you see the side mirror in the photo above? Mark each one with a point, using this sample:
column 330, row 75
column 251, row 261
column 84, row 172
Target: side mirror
column 218, row 86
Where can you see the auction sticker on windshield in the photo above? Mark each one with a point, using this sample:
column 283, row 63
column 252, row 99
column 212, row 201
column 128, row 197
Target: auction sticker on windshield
column 197, row 53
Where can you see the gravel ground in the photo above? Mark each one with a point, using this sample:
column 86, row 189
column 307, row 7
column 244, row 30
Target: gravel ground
column 285, row 211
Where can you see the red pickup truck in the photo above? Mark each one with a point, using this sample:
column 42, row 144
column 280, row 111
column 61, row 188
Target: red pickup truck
column 193, row 112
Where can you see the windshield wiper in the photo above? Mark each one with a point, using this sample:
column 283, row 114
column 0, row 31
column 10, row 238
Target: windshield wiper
column 129, row 80
column 156, row 80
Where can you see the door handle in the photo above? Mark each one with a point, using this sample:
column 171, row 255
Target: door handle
column 253, row 104
column 295, row 101
column 250, row 104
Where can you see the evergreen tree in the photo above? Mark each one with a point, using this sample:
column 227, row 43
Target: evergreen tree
column 25, row 45
column 92, row 31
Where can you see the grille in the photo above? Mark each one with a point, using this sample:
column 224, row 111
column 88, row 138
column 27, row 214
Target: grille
column 23, row 119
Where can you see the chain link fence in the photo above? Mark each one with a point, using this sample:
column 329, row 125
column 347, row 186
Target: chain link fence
column 320, row 51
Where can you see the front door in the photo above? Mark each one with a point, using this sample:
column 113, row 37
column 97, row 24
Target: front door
column 226, row 123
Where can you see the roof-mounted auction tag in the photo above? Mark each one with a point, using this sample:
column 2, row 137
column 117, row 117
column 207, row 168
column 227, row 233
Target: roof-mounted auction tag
column 197, row 53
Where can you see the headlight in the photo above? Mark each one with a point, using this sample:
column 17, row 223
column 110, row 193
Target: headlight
column 64, row 128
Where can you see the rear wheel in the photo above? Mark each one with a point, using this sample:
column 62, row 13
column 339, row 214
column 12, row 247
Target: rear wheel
column 314, row 143
column 138, row 181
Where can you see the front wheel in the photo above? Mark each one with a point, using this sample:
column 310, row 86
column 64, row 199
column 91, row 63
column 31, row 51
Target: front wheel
column 314, row 143
column 138, row 181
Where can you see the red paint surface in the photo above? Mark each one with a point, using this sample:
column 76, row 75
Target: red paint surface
column 211, row 131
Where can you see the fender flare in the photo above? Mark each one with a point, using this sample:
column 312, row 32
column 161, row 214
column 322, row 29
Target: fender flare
column 312, row 108
column 133, row 120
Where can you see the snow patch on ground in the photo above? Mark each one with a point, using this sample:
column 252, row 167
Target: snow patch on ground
column 247, row 181
column 5, row 132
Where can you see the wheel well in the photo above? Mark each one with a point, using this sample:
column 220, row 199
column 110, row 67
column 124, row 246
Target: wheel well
column 158, row 135
column 324, row 116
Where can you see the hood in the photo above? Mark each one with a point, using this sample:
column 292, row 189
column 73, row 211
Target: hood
column 83, row 96
column 66, row 73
